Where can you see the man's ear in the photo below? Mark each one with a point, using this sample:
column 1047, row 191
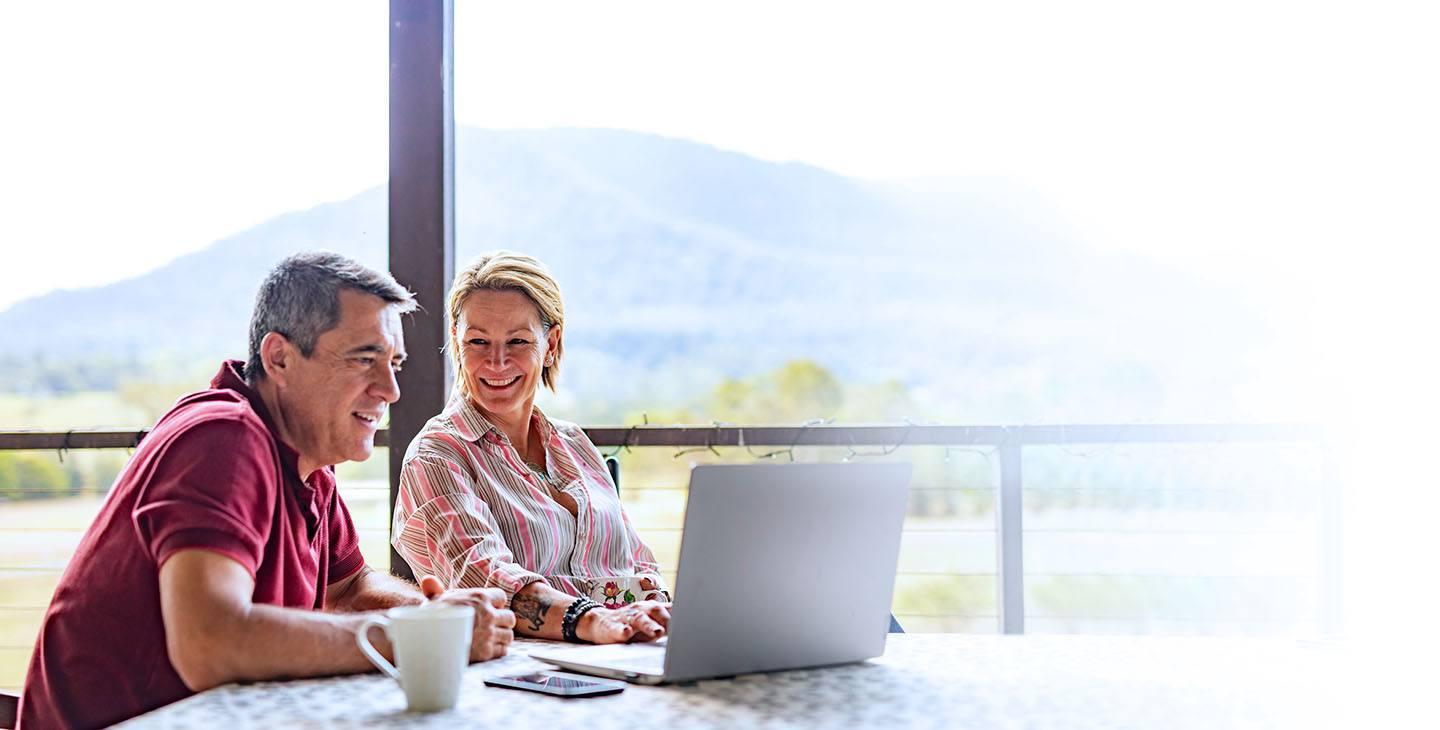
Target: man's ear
column 276, row 354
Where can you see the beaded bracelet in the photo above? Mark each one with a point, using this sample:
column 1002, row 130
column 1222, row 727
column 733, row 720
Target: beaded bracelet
column 571, row 620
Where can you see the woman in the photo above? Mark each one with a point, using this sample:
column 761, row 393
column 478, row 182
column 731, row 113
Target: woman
column 493, row 493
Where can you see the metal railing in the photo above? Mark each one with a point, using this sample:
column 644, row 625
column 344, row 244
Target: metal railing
column 1008, row 441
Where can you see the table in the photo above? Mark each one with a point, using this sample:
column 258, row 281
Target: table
column 923, row 680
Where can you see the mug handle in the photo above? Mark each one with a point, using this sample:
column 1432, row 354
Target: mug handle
column 362, row 639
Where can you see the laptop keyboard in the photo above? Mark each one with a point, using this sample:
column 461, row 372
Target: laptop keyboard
column 651, row 665
column 632, row 658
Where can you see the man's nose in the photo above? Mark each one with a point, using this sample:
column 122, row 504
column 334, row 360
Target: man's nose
column 387, row 387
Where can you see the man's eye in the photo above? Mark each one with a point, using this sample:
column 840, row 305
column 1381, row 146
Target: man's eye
column 365, row 361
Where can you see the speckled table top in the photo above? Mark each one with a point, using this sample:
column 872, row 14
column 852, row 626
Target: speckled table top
column 923, row 680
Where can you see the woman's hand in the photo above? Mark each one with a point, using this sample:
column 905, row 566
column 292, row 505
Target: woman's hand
column 642, row 621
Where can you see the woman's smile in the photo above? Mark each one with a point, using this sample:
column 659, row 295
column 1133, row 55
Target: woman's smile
column 500, row 383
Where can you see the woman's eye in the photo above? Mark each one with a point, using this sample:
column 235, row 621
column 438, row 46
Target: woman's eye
column 475, row 342
column 518, row 341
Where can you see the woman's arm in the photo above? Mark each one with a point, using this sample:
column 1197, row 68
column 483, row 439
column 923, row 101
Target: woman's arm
column 442, row 529
column 540, row 609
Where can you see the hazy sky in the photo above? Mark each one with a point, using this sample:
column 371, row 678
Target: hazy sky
column 138, row 131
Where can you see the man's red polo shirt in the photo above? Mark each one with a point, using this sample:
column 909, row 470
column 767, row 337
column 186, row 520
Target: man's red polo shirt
column 212, row 475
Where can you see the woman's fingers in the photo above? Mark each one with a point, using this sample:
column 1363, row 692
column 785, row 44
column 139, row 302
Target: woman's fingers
column 647, row 631
column 612, row 628
column 644, row 621
column 650, row 620
column 621, row 629
column 658, row 612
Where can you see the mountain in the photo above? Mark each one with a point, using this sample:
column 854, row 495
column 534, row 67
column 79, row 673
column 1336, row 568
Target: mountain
column 682, row 263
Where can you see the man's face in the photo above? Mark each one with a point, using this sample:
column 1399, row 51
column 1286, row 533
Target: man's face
column 332, row 402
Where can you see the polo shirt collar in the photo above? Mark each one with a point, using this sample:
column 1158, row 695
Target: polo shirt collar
column 231, row 377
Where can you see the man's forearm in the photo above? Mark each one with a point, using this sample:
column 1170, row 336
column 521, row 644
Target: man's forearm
column 214, row 634
column 275, row 642
column 373, row 590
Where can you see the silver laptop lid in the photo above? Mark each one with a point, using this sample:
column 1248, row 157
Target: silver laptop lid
column 785, row 566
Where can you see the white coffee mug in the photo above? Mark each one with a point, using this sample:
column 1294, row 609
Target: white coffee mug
column 432, row 648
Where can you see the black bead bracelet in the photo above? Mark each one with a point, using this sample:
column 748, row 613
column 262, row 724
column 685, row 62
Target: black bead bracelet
column 571, row 620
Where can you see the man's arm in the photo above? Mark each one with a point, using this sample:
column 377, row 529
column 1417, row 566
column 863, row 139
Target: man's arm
column 368, row 590
column 214, row 633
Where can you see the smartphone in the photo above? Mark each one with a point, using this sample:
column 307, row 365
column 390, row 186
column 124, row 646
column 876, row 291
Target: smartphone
column 561, row 684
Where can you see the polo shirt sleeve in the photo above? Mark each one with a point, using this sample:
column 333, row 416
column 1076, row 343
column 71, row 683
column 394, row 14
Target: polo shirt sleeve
column 214, row 488
column 345, row 556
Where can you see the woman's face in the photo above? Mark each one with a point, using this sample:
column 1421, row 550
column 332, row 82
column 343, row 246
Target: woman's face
column 503, row 349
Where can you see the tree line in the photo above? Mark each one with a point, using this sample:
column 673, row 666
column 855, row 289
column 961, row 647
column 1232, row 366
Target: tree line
column 26, row 475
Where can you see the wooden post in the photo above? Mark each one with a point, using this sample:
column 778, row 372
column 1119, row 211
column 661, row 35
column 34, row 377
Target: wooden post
column 422, row 210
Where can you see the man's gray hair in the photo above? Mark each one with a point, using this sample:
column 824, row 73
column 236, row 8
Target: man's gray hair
column 300, row 299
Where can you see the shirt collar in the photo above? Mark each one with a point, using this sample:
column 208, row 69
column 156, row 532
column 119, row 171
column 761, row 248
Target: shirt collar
column 472, row 425
column 231, row 377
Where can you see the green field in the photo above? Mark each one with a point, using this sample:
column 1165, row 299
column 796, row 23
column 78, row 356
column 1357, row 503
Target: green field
column 83, row 410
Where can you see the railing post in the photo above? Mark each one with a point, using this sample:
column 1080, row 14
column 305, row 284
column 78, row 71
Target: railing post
column 1010, row 570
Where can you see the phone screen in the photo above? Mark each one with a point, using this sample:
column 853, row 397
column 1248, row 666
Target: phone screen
column 550, row 680
column 556, row 683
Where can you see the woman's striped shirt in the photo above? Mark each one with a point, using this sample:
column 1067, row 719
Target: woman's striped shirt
column 471, row 513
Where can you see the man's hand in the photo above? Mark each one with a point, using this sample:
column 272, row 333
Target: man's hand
column 494, row 628
column 642, row 621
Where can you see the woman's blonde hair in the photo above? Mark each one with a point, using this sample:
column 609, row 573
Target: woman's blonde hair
column 508, row 271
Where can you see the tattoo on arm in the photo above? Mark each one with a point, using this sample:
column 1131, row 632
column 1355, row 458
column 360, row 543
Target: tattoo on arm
column 530, row 608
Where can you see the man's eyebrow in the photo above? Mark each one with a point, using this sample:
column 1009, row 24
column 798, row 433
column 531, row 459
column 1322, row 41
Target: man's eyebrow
column 373, row 349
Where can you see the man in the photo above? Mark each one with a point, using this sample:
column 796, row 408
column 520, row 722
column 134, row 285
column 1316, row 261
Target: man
column 224, row 552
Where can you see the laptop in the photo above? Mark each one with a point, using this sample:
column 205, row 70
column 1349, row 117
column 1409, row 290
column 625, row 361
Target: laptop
column 782, row 566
